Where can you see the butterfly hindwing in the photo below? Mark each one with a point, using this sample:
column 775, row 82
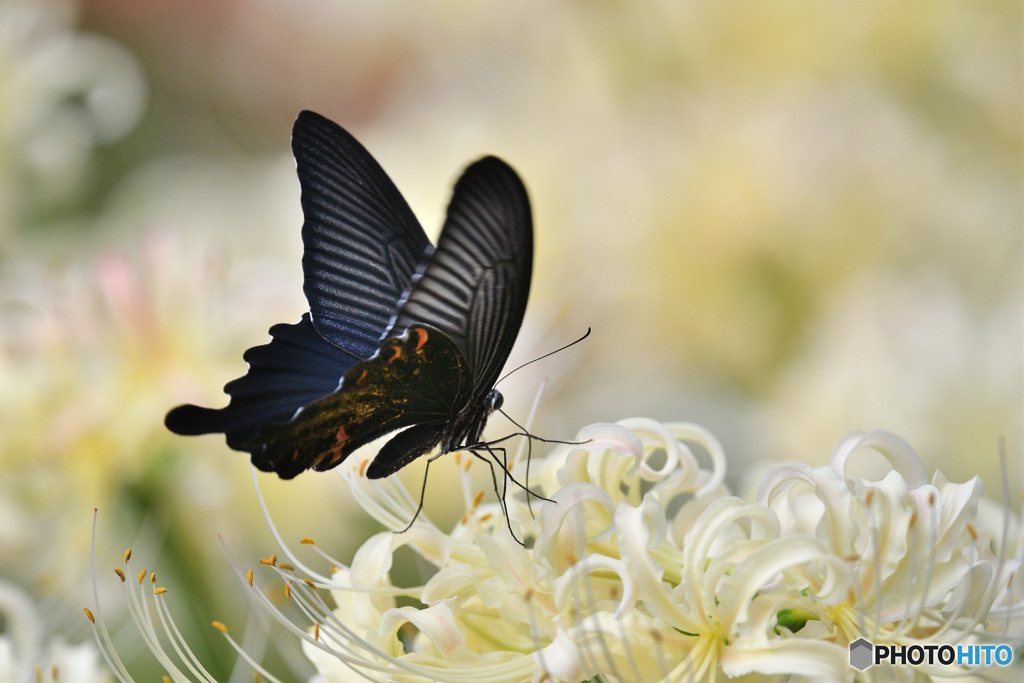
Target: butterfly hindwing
column 403, row 448
column 296, row 367
column 418, row 378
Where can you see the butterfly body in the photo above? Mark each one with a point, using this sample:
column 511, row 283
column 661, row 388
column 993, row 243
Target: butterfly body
column 400, row 335
column 419, row 377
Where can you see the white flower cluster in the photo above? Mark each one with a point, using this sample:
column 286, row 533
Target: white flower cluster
column 642, row 567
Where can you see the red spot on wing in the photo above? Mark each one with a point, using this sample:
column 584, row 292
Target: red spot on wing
column 362, row 376
column 398, row 353
column 422, row 334
column 338, row 449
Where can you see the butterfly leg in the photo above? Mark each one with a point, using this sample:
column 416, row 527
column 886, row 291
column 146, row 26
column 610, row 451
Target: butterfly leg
column 489, row 447
column 494, row 480
column 529, row 456
column 423, row 494
column 423, row 490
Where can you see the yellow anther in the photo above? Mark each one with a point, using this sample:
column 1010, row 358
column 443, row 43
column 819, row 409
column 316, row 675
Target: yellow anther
column 142, row 575
column 88, row 613
column 220, row 627
column 120, row 574
column 152, row 578
column 316, row 631
column 287, row 589
column 248, row 577
column 159, row 591
column 286, row 567
column 306, row 541
column 477, row 498
column 127, row 555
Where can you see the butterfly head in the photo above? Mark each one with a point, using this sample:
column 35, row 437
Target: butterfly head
column 495, row 400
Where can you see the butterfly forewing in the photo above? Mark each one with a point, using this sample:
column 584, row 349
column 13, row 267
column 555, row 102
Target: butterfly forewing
column 476, row 283
column 361, row 240
column 419, row 378
column 361, row 247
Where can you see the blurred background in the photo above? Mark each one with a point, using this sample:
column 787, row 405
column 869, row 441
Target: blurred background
column 783, row 221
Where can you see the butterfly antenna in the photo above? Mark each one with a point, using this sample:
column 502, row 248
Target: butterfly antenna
column 523, row 429
column 544, row 356
column 527, row 435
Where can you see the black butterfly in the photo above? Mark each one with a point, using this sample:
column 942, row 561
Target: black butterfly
column 398, row 334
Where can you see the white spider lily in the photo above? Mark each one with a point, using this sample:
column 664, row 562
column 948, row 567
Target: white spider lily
column 922, row 572
column 641, row 566
column 611, row 585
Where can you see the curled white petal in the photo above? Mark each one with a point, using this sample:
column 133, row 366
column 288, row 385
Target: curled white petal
column 894, row 448
column 828, row 487
column 813, row 659
column 436, row 622
column 765, row 564
column 573, row 585
column 563, row 536
column 687, row 431
column 559, row 659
